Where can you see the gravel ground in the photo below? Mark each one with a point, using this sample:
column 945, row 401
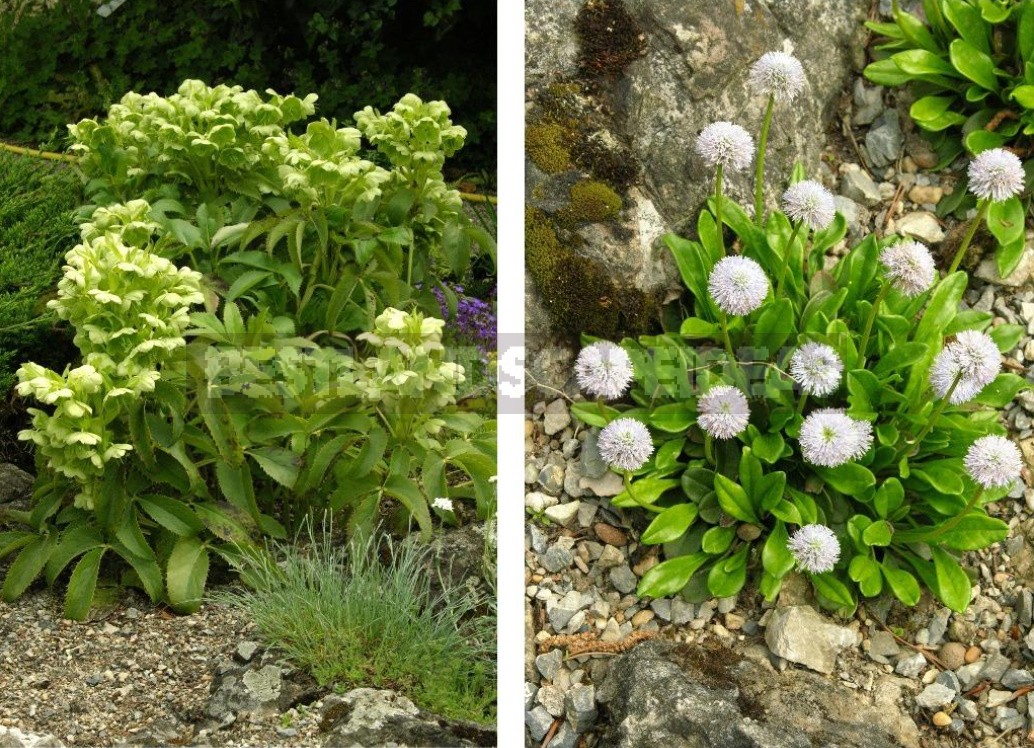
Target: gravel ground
column 133, row 673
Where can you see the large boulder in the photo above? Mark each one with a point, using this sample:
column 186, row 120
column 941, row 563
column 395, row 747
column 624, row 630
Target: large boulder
column 709, row 696
column 15, row 484
column 618, row 92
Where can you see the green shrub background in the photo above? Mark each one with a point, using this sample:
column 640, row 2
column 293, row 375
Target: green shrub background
column 36, row 229
column 65, row 63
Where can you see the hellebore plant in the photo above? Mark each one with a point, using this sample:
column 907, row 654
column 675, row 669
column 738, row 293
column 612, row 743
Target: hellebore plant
column 843, row 420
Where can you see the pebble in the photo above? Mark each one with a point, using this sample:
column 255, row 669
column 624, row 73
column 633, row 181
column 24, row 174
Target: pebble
column 911, row 665
column 884, row 140
column 940, row 719
column 925, row 194
column 623, row 579
column 563, row 514
column 921, row 225
column 537, row 502
column 610, row 534
column 856, row 184
column 557, row 417
column 953, row 655
column 549, row 663
column 934, row 696
column 972, row 654
column 538, row 721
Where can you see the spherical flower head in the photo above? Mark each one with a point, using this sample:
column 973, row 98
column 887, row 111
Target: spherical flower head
column 723, row 412
column 815, row 548
column 972, row 358
column 777, row 74
column 909, row 267
column 817, row 368
column 727, row 145
column 829, row 438
column 625, row 443
column 810, row 203
column 603, row 369
column 993, row 462
column 738, row 285
column 996, row 174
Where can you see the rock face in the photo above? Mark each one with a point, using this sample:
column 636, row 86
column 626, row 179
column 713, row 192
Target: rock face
column 801, row 634
column 15, row 484
column 371, row 717
column 618, row 93
column 712, row 697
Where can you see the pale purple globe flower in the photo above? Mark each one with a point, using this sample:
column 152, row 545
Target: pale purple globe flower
column 810, row 203
column 727, row 145
column 996, row 175
column 909, row 267
column 973, row 358
column 777, row 74
column 829, row 438
column 603, row 369
column 993, row 462
column 625, row 443
column 723, row 412
column 817, row 368
column 815, row 548
column 738, row 285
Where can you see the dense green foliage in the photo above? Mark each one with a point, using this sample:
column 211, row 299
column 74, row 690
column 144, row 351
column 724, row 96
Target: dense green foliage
column 722, row 508
column 68, row 62
column 353, row 617
column 36, row 229
column 186, row 431
column 970, row 65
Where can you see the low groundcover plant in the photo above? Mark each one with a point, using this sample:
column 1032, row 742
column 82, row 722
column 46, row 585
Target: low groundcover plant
column 837, row 416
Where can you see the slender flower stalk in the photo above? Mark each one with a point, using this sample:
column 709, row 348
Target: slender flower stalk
column 786, row 257
column 928, row 427
column 780, row 77
column 995, row 175
column 869, row 322
column 982, row 209
column 724, row 145
column 759, row 169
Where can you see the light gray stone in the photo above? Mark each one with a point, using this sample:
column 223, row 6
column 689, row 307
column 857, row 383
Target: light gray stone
column 801, row 634
column 538, row 721
column 557, row 418
column 563, row 514
column 856, row 184
column 884, row 140
column 549, row 663
column 15, row 484
column 934, row 696
column 623, row 578
column 580, row 707
column 921, row 225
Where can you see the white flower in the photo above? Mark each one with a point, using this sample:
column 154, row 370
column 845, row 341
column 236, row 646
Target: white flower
column 811, row 203
column 993, row 462
column 829, row 437
column 625, row 443
column 727, row 145
column 972, row 358
column 996, row 175
column 815, row 548
column 723, row 412
column 777, row 74
column 738, row 285
column 603, row 369
column 817, row 368
column 909, row 267
column 442, row 503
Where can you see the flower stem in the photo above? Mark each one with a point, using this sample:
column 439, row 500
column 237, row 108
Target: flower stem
column 970, row 232
column 645, row 505
column 709, row 448
column 718, row 208
column 737, row 373
column 759, row 174
column 941, row 405
column 801, row 402
column 786, row 259
column 884, row 290
column 974, row 500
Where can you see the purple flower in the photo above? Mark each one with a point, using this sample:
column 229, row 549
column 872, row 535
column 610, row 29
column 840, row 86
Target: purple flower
column 474, row 322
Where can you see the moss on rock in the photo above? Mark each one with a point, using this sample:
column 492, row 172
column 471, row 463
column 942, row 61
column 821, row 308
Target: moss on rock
column 578, row 291
column 546, row 144
column 591, row 202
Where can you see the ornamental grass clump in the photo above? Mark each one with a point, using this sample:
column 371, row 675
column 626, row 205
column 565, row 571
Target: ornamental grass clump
column 843, row 420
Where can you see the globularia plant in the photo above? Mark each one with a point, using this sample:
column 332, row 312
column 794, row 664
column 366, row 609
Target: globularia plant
column 837, row 416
